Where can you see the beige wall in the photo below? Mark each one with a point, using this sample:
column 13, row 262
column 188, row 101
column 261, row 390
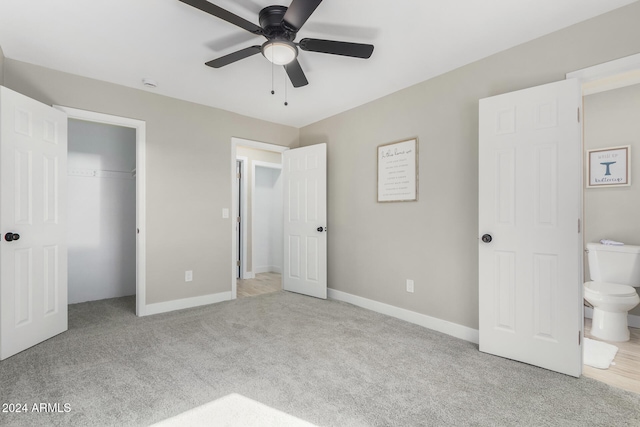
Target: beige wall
column 373, row 248
column 188, row 173
column 612, row 119
column 252, row 155
column 1, row 66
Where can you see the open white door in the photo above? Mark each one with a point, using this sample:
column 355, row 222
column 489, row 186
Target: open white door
column 530, row 192
column 33, row 203
column 305, row 221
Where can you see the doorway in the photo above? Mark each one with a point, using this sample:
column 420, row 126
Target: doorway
column 139, row 172
column 610, row 119
column 610, row 110
column 257, row 228
column 101, row 160
column 603, row 77
column 266, row 219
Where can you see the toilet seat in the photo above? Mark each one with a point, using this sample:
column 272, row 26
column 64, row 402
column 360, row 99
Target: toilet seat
column 610, row 289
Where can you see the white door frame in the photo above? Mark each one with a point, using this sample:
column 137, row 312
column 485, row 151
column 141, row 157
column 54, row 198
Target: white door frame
column 261, row 164
column 235, row 142
column 140, row 127
column 244, row 273
column 610, row 75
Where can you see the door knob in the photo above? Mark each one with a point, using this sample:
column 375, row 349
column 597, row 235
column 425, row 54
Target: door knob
column 10, row 237
column 321, row 229
column 487, row 238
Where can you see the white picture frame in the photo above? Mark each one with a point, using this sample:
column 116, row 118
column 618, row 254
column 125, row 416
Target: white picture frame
column 609, row 167
column 398, row 171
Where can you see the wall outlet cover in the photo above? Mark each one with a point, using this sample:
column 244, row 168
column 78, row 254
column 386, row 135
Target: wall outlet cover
column 409, row 285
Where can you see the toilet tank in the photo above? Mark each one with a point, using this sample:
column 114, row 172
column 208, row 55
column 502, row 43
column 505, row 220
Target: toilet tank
column 614, row 264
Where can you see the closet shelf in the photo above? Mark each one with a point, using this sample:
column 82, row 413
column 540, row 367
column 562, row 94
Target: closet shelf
column 101, row 173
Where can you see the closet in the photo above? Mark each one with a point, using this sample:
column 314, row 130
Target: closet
column 101, row 211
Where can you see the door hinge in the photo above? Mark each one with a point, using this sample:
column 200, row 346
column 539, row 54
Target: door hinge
column 238, row 175
column 578, row 225
column 238, row 219
column 238, row 263
column 578, row 114
column 579, row 337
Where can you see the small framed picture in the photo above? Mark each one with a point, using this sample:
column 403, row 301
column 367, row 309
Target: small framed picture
column 609, row 167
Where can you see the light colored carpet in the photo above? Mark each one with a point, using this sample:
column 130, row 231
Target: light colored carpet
column 598, row 354
column 324, row 362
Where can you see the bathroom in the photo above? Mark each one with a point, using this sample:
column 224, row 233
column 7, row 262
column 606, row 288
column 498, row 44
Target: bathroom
column 612, row 212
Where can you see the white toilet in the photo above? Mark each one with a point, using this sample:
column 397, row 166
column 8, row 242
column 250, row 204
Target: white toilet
column 615, row 272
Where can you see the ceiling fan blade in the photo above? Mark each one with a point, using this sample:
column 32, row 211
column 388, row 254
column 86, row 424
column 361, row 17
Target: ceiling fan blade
column 233, row 57
column 223, row 14
column 298, row 13
column 355, row 50
column 295, row 73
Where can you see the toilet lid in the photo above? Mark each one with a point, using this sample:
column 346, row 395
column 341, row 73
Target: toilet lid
column 613, row 289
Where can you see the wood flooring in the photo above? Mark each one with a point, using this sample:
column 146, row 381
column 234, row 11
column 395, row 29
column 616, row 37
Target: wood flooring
column 262, row 284
column 625, row 373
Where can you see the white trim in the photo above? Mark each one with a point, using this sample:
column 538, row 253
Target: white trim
column 262, row 164
column 141, row 185
column 446, row 327
column 244, row 273
column 610, row 75
column 235, row 142
column 632, row 320
column 181, row 304
column 259, row 145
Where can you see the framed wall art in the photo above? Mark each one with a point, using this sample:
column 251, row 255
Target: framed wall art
column 609, row 167
column 398, row 171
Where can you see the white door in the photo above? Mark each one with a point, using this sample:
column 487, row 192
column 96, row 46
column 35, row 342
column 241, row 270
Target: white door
column 33, row 200
column 305, row 221
column 530, row 192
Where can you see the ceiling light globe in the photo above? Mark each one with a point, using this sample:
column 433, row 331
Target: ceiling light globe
column 279, row 52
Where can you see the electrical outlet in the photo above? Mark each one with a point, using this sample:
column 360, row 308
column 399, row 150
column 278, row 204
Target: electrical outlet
column 225, row 213
column 188, row 276
column 409, row 285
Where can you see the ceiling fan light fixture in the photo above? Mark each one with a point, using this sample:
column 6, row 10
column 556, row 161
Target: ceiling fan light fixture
column 280, row 52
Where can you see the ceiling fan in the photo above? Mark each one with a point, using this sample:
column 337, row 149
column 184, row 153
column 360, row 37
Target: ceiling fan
column 279, row 25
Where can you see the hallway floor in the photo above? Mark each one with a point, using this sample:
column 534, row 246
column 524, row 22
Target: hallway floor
column 262, row 284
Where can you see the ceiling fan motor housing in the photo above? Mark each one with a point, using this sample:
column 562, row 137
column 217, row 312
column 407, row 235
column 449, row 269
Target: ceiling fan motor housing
column 271, row 21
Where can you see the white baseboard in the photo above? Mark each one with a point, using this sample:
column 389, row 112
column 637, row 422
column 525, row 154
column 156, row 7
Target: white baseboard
column 164, row 307
column 632, row 320
column 267, row 269
column 446, row 327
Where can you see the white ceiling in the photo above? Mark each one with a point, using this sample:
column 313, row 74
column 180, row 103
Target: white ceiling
column 124, row 41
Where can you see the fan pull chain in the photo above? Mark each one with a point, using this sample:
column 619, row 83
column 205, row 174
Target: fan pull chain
column 272, row 91
column 285, row 87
